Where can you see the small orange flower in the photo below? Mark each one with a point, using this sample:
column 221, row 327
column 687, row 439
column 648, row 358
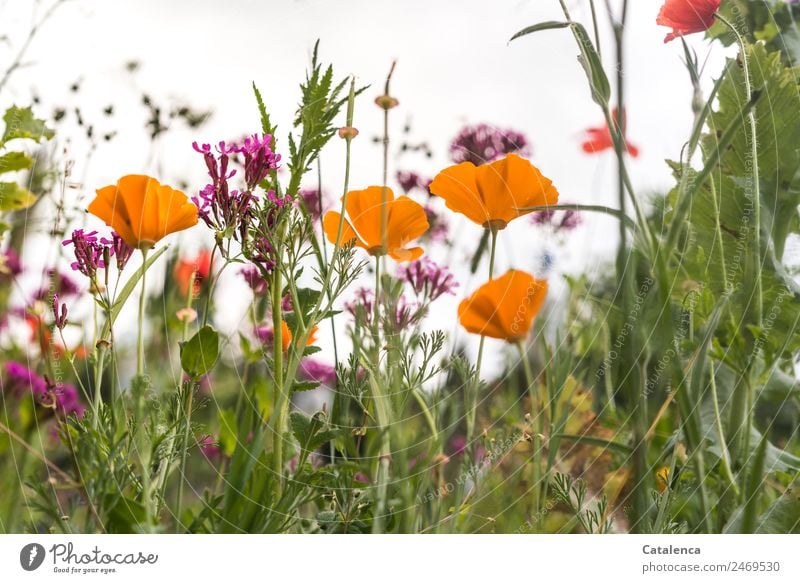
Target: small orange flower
column 662, row 479
column 200, row 266
column 286, row 336
column 406, row 221
column 142, row 210
column 492, row 195
column 504, row 308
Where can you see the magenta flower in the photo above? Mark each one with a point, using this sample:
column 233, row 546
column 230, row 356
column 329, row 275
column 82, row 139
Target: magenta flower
column 429, row 280
column 254, row 279
column 59, row 315
column 210, row 448
column 67, row 401
column 312, row 369
column 557, row 220
column 88, row 252
column 20, row 380
column 311, row 202
column 409, row 180
column 119, row 249
column 10, row 263
column 483, row 143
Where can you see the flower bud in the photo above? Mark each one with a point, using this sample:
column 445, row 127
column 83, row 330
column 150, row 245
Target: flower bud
column 386, row 102
column 348, row 132
column 186, row 315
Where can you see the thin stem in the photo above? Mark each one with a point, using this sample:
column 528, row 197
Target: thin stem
column 186, row 431
column 140, row 323
column 725, row 456
column 537, row 414
column 281, row 396
column 751, row 119
column 742, row 432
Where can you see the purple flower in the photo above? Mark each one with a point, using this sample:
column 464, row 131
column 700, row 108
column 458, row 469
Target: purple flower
column 409, row 181
column 21, row 380
column 67, row 401
column 254, row 279
column 362, row 304
column 220, row 207
column 437, row 232
column 10, row 263
column 210, row 448
column 88, row 252
column 265, row 335
column 119, row 249
column 483, row 143
column 225, row 209
column 557, row 220
column 60, row 316
column 429, row 280
column 312, row 369
column 61, row 284
column 311, row 202
column 259, row 159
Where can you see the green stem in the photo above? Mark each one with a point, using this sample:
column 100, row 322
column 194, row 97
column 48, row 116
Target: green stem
column 537, row 441
column 281, row 395
column 725, row 457
column 186, row 431
column 140, row 323
column 744, row 427
column 142, row 444
column 751, row 119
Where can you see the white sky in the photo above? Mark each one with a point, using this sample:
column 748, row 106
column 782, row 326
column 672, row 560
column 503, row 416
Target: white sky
column 455, row 66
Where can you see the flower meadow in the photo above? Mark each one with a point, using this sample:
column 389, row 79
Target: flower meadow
column 660, row 397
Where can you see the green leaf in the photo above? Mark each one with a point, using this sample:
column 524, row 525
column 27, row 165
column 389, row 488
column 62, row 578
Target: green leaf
column 228, row 432
column 549, row 25
column 127, row 290
column 200, row 353
column 311, row 432
column 305, row 386
column 21, row 124
column 591, row 63
column 783, row 515
column 13, row 161
column 13, row 197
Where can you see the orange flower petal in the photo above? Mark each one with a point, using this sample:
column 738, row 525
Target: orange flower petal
column 330, row 223
column 409, row 254
column 458, row 186
column 364, row 211
column 286, row 336
column 142, row 210
column 477, row 314
column 407, row 221
column 110, row 208
column 505, row 307
column 512, row 183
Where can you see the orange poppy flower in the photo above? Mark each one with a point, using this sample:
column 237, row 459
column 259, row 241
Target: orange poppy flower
column 599, row 139
column 142, row 210
column 406, row 221
column 504, row 308
column 492, row 195
column 200, row 266
column 687, row 16
column 286, row 336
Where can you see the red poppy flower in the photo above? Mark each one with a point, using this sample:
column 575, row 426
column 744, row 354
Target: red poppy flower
column 687, row 16
column 200, row 266
column 599, row 139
